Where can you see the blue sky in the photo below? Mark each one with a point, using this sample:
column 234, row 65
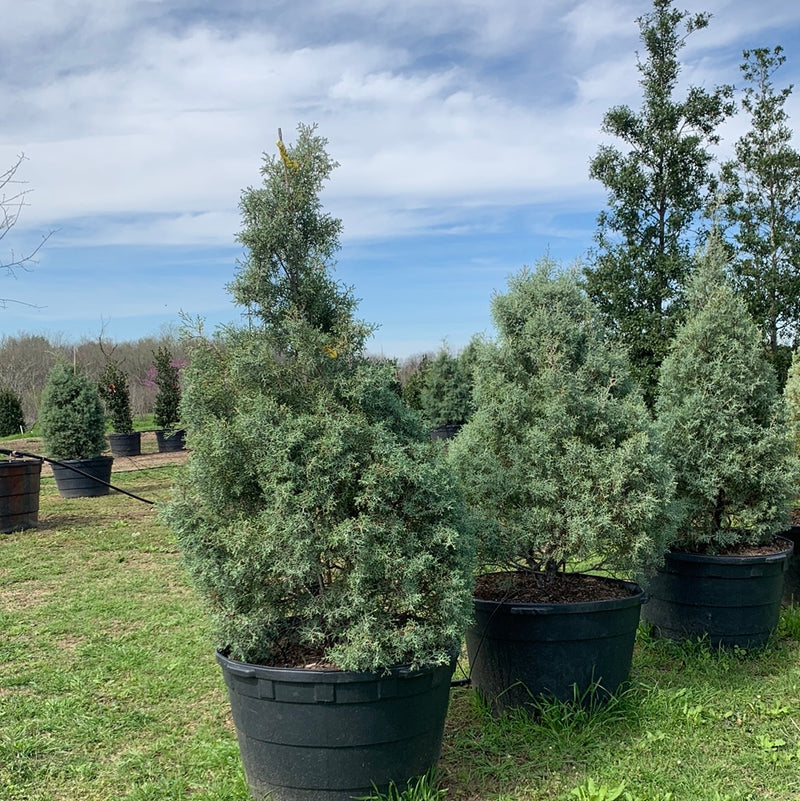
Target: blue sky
column 463, row 128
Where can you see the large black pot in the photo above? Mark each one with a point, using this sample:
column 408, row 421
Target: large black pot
column 80, row 482
column 129, row 444
column 446, row 431
column 169, row 441
column 19, row 494
column 731, row 600
column 330, row 735
column 520, row 652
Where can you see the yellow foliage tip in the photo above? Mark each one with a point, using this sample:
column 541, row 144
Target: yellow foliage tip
column 289, row 162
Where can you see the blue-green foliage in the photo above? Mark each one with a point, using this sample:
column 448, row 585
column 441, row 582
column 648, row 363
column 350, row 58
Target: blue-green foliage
column 558, row 458
column 722, row 420
column 314, row 515
column 71, row 416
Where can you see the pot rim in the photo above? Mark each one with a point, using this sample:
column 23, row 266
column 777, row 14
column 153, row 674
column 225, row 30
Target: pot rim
column 636, row 598
column 733, row 559
column 250, row 670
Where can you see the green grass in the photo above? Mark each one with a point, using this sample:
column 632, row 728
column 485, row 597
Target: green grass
column 109, row 690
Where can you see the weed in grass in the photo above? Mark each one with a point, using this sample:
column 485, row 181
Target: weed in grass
column 789, row 624
column 424, row 788
column 592, row 792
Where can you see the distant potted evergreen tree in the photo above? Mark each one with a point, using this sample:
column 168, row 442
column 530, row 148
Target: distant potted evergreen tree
column 116, row 396
column 19, row 477
column 12, row 420
column 562, row 471
column 72, row 423
column 316, row 517
column 446, row 394
column 167, row 409
column 724, row 431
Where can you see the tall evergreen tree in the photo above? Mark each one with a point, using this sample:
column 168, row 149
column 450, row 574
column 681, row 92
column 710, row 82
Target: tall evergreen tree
column 760, row 200
column 656, row 187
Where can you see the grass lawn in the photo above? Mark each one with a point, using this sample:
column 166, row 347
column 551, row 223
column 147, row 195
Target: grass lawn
column 109, row 689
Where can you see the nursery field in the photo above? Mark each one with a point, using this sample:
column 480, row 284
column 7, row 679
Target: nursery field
column 109, row 689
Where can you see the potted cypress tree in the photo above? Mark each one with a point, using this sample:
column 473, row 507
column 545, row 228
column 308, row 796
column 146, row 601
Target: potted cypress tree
column 562, row 472
column 166, row 412
column 116, row 396
column 723, row 425
column 72, row 423
column 316, row 517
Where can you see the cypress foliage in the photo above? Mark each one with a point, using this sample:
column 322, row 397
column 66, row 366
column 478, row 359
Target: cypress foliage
column 315, row 515
column 558, row 459
column 722, row 420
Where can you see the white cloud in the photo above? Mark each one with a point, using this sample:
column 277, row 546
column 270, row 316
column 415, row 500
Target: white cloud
column 160, row 112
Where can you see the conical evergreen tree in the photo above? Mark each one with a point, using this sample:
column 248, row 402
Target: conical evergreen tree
column 315, row 515
column 722, row 420
column 558, row 458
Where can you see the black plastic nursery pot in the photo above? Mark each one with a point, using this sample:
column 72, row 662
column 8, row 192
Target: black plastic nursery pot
column 19, row 494
column 83, row 484
column 129, row 444
column 169, row 441
column 730, row 600
column 521, row 652
column 446, row 431
column 330, row 735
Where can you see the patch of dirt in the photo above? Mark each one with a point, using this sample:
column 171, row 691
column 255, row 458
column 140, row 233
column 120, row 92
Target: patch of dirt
column 540, row 588
column 745, row 550
column 150, row 457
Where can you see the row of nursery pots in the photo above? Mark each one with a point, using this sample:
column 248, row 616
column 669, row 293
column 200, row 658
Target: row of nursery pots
column 332, row 735
column 75, row 478
column 130, row 444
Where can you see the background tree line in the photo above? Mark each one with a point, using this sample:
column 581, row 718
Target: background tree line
column 26, row 360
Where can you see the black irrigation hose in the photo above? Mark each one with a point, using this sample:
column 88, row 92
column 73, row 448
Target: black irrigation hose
column 74, row 469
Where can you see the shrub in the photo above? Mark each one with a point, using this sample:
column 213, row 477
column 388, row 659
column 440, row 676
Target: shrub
column 558, row 460
column 791, row 395
column 71, row 415
column 315, row 516
column 446, row 391
column 411, row 390
column 12, row 421
column 723, row 421
column 166, row 411
column 115, row 393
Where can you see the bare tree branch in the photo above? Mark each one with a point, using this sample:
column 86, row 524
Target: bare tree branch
column 12, row 201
